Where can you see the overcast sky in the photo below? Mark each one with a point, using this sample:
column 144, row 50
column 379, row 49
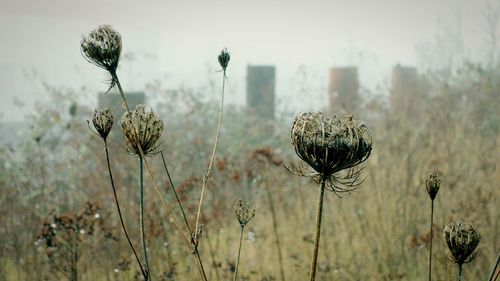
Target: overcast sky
column 177, row 42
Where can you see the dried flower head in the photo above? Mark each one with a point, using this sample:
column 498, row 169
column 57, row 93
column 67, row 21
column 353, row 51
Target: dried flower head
column 103, row 121
column 329, row 145
column 144, row 128
column 224, row 58
column 244, row 211
column 102, row 47
column 433, row 183
column 462, row 239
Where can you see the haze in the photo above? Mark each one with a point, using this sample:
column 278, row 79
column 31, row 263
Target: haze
column 176, row 42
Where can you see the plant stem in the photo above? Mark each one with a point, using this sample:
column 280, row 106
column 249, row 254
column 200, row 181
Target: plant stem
column 117, row 81
column 120, row 212
column 157, row 188
column 209, row 169
column 275, row 230
column 459, row 272
column 195, row 246
column 239, row 253
column 74, row 257
column 319, row 212
column 495, row 268
column 430, row 243
column 141, row 218
column 175, row 192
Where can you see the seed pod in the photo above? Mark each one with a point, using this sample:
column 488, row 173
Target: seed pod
column 330, row 144
column 103, row 121
column 224, row 58
column 433, row 183
column 462, row 239
column 244, row 211
column 143, row 128
column 102, row 47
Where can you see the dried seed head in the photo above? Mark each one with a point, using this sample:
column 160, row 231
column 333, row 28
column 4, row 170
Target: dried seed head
column 144, row 128
column 244, row 211
column 331, row 144
column 462, row 239
column 102, row 47
column 432, row 183
column 103, row 121
column 224, row 58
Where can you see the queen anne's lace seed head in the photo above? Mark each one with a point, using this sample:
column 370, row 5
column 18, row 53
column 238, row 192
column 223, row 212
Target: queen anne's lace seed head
column 102, row 47
column 433, row 183
column 462, row 240
column 330, row 144
column 224, row 58
column 103, row 121
column 244, row 211
column 143, row 128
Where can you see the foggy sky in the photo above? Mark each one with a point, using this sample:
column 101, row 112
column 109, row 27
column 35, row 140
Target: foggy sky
column 177, row 42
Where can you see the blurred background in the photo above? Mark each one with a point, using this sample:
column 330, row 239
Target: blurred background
column 423, row 75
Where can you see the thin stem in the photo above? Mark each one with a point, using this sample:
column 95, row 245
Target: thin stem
column 163, row 200
column 212, row 255
column 209, row 169
column 175, row 192
column 495, row 268
column 319, row 212
column 157, row 188
column 275, row 230
column 120, row 212
column 459, row 272
column 74, row 257
column 141, row 218
column 195, row 248
column 430, row 243
column 239, row 253
column 117, row 81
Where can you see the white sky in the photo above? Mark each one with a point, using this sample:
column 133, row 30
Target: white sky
column 184, row 38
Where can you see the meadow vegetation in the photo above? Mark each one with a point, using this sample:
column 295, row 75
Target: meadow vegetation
column 57, row 179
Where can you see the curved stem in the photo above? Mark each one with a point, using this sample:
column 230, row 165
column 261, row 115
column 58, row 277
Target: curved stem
column 239, row 253
column 141, row 218
column 319, row 212
column 430, row 243
column 209, row 169
column 120, row 212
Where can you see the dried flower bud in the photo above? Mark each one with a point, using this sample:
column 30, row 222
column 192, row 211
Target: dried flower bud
column 462, row 239
column 244, row 211
column 331, row 144
column 143, row 128
column 103, row 121
column 102, row 47
column 224, row 58
column 432, row 184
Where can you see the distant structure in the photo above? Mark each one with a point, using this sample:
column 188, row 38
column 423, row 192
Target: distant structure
column 115, row 103
column 404, row 88
column 261, row 82
column 343, row 89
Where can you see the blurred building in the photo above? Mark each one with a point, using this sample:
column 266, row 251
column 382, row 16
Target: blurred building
column 343, row 89
column 261, row 89
column 404, row 89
